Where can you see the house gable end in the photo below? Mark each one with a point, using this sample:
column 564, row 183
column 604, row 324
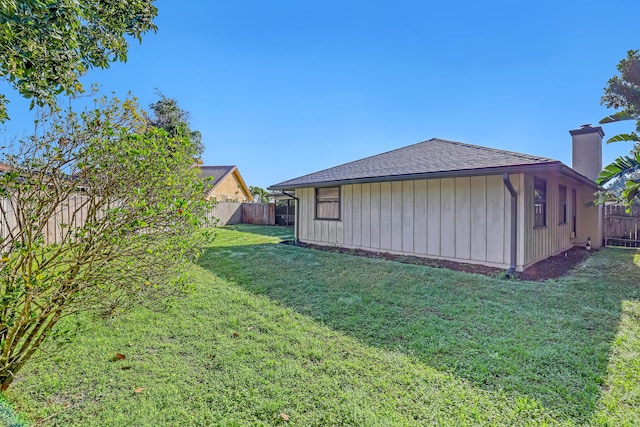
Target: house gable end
column 227, row 183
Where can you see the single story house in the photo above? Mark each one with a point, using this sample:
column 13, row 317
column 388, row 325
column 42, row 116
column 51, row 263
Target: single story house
column 227, row 184
column 453, row 201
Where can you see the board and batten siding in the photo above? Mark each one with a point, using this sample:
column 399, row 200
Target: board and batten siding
column 555, row 236
column 465, row 218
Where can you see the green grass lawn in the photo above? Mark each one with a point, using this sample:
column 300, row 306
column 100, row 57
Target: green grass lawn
column 277, row 331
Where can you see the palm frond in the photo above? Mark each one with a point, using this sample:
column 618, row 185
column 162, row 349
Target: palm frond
column 624, row 137
column 617, row 117
column 621, row 166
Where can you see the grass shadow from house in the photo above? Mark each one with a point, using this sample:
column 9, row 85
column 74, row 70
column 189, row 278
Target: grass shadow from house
column 548, row 340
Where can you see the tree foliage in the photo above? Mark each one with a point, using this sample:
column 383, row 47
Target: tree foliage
column 259, row 194
column 623, row 93
column 102, row 212
column 169, row 116
column 46, row 45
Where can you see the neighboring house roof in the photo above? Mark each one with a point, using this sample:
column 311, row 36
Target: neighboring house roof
column 278, row 195
column 433, row 158
column 215, row 172
column 219, row 174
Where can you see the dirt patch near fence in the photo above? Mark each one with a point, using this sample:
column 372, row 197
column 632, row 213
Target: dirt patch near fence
column 550, row 268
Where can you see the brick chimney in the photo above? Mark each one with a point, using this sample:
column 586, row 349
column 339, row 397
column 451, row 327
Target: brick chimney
column 587, row 150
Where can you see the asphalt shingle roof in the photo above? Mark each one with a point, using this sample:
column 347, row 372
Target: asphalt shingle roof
column 217, row 172
column 428, row 157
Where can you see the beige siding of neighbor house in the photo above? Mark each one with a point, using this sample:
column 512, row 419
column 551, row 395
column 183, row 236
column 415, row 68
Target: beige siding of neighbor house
column 464, row 219
column 230, row 190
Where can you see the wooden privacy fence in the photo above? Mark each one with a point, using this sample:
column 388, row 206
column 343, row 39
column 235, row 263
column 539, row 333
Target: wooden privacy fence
column 225, row 213
column 73, row 212
column 259, row 213
column 8, row 221
column 621, row 228
column 70, row 214
column 229, row 213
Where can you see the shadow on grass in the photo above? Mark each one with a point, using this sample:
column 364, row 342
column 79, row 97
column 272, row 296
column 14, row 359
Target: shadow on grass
column 550, row 341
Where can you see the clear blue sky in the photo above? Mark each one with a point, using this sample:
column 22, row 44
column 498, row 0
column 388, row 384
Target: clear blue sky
column 285, row 88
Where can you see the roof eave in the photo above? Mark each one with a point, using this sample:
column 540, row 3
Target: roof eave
column 555, row 166
column 243, row 184
column 578, row 177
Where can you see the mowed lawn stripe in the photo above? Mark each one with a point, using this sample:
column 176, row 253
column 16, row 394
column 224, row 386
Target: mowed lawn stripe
column 275, row 331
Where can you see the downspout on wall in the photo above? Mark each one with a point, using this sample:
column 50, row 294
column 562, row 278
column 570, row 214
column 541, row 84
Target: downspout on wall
column 514, row 223
column 297, row 217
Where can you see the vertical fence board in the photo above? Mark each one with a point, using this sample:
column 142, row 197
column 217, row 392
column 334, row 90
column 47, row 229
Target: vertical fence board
column 621, row 227
column 74, row 212
column 259, row 213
